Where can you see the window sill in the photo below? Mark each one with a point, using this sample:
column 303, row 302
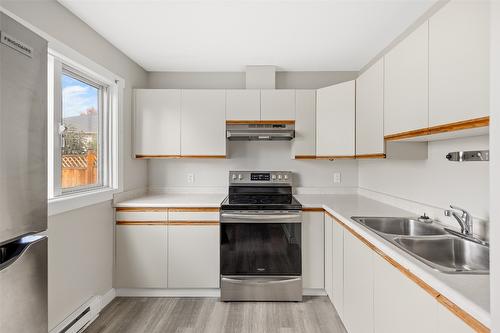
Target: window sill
column 72, row 202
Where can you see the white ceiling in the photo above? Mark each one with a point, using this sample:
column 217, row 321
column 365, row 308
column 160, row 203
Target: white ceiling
column 211, row 35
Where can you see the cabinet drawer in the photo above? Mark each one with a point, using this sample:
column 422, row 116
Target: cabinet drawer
column 198, row 215
column 137, row 215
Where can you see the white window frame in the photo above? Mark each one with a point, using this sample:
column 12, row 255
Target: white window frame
column 61, row 200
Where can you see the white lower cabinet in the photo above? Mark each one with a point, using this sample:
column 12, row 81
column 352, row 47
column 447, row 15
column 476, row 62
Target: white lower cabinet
column 447, row 322
column 358, row 285
column 141, row 256
column 193, row 256
column 313, row 250
column 338, row 268
column 328, row 256
column 400, row 305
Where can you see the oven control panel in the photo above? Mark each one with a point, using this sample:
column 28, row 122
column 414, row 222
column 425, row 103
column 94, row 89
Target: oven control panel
column 260, row 177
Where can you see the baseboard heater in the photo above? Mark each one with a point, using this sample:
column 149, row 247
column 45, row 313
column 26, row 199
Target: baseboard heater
column 81, row 318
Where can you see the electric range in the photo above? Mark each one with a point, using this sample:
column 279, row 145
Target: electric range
column 260, row 240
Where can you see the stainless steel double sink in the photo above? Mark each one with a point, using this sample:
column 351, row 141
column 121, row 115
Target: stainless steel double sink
column 431, row 244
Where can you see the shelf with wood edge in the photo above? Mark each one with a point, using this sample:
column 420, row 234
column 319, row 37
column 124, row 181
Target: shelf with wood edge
column 178, row 156
column 456, row 310
column 362, row 156
column 370, row 156
column 452, row 127
column 260, row 122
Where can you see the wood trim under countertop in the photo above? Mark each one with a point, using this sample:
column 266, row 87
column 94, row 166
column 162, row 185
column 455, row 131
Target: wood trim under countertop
column 260, row 122
column 138, row 223
column 451, row 127
column 193, row 223
column 141, row 209
column 459, row 312
column 194, row 209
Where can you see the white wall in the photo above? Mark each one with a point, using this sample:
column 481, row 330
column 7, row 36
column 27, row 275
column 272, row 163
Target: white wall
column 495, row 166
column 81, row 241
column 436, row 181
column 80, row 258
column 236, row 80
column 251, row 156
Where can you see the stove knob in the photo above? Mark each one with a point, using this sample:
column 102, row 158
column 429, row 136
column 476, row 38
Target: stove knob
column 279, row 177
column 285, row 176
column 240, row 176
column 234, row 177
column 273, row 177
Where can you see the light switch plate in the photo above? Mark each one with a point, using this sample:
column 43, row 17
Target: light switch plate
column 190, row 178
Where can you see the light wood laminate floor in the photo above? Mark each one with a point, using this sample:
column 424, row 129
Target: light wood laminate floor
column 137, row 314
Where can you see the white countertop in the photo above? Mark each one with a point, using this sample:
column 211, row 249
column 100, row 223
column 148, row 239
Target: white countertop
column 469, row 292
column 175, row 200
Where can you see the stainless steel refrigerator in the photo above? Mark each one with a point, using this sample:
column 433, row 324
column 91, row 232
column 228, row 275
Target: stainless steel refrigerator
column 23, row 178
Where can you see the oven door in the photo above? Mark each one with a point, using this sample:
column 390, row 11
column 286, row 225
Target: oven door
column 261, row 243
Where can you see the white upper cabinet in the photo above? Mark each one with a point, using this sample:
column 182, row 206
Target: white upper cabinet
column 406, row 84
column 370, row 110
column 335, row 120
column 304, row 143
column 243, row 104
column 203, row 123
column 277, row 104
column 459, row 62
column 157, row 122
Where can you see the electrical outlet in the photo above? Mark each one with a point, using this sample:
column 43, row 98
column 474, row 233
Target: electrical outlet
column 337, row 178
column 190, row 178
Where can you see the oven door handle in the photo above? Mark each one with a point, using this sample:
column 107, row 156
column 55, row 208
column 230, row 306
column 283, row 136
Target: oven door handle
column 262, row 218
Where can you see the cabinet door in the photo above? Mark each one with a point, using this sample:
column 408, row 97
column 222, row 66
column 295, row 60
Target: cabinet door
column 243, row 104
column 370, row 110
column 328, row 256
column 277, row 104
column 313, row 250
column 399, row 303
column 406, row 84
column 141, row 256
column 203, row 123
column 459, row 62
column 358, row 285
column 338, row 268
column 157, row 129
column 447, row 322
column 193, row 256
column 335, row 120
column 304, row 143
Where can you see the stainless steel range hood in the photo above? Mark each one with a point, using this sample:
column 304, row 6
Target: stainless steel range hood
column 260, row 132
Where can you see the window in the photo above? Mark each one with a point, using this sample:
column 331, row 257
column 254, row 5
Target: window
column 82, row 136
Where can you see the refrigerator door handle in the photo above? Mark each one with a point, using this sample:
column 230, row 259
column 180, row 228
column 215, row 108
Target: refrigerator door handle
column 10, row 252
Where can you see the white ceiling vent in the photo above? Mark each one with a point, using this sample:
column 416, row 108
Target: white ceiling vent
column 261, row 77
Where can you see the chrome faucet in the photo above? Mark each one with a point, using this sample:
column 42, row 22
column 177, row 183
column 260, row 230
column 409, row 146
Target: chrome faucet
column 464, row 218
